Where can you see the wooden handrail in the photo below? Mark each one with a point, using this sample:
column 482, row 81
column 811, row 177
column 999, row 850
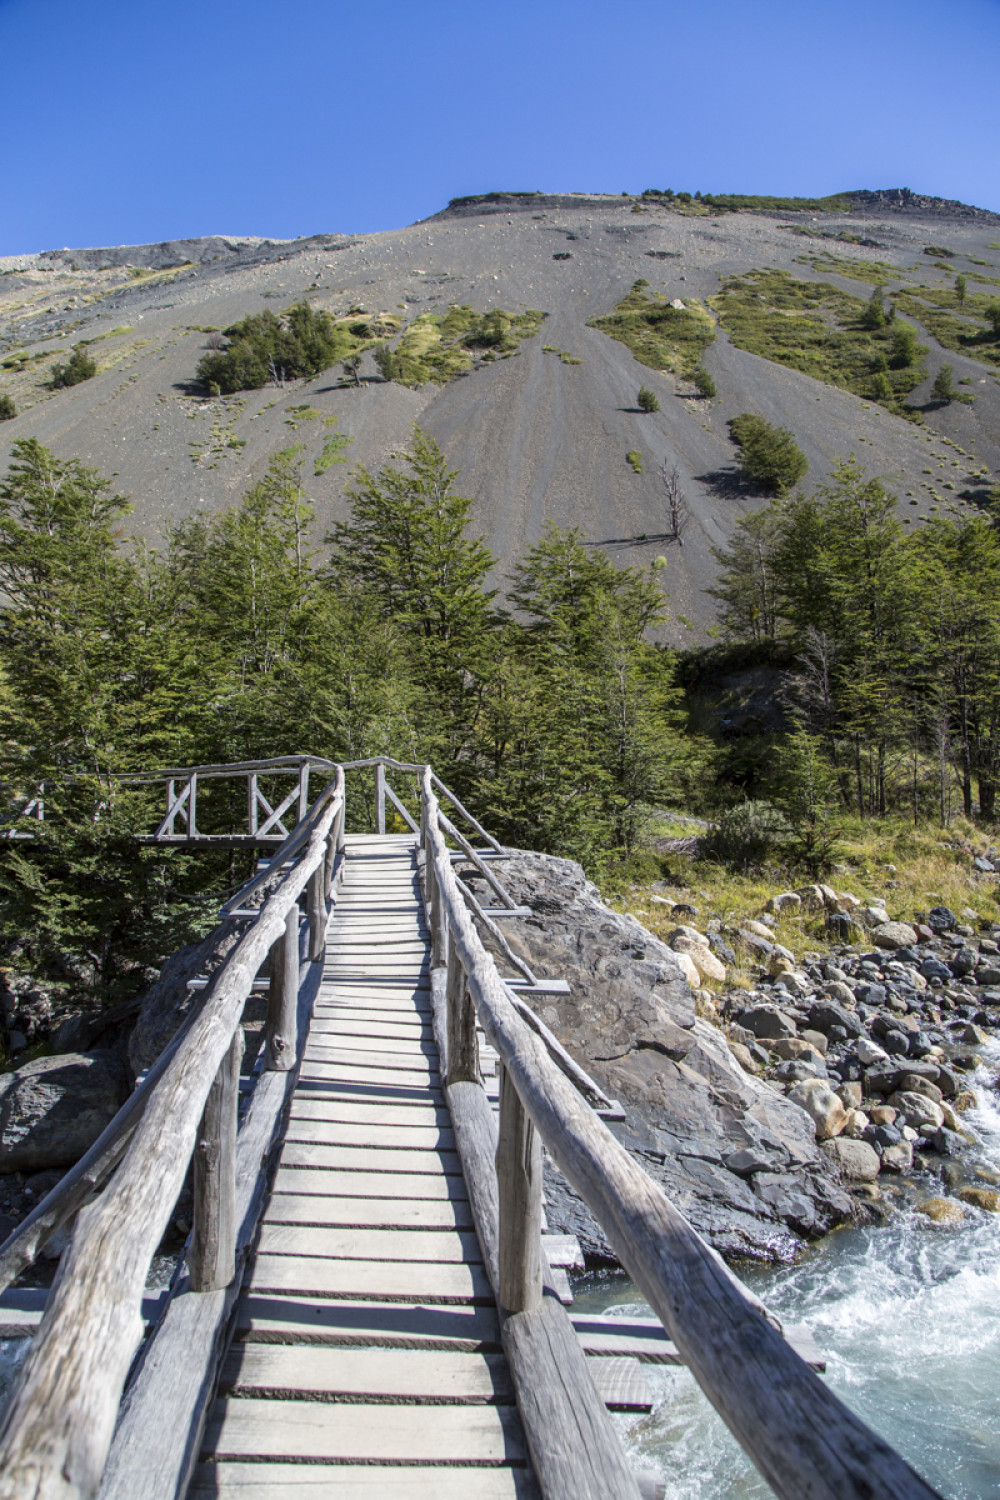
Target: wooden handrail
column 58, row 1427
column 802, row 1438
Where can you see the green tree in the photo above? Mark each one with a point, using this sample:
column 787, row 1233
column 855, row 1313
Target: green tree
column 992, row 311
column 769, row 456
column 873, row 316
column 960, row 290
column 7, row 408
column 904, row 350
column 406, row 546
column 943, row 388
column 703, row 382
column 748, row 585
column 647, row 399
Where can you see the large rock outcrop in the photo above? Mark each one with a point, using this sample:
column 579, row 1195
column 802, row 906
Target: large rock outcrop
column 738, row 1158
column 53, row 1109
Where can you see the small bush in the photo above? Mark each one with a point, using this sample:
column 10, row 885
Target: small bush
column 78, row 367
column 703, row 382
column 646, row 399
column 769, row 456
column 634, row 457
column 748, row 836
column 7, row 408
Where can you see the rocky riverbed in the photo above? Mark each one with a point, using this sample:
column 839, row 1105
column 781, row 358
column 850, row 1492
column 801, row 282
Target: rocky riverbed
column 771, row 1113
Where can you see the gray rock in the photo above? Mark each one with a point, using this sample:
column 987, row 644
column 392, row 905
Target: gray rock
column 941, row 919
column 630, row 1020
column 894, row 935
column 54, row 1108
column 825, row 1014
column 858, row 1161
column 768, row 1024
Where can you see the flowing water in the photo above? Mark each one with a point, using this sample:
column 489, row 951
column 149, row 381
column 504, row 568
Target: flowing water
column 908, row 1318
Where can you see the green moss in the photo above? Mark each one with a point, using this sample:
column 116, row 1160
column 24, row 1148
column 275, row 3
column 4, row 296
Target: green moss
column 660, row 336
column 814, row 327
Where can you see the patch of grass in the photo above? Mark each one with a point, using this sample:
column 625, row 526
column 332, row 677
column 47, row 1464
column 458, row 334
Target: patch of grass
column 297, row 414
column 634, row 458
column 938, row 308
column 565, row 357
column 670, row 339
column 911, row 869
column 874, row 272
column 332, row 451
column 814, row 327
column 439, row 347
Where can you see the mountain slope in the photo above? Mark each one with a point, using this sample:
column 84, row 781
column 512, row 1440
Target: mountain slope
column 535, row 437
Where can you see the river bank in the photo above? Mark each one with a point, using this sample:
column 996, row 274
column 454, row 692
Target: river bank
column 907, row 1315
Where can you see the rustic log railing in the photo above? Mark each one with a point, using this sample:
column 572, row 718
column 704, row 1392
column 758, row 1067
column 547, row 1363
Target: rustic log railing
column 58, row 1428
column 59, row 1425
column 803, row 1439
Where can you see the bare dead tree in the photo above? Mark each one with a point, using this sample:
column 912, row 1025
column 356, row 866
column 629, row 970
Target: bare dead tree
column 351, row 367
column 276, row 375
column 678, row 511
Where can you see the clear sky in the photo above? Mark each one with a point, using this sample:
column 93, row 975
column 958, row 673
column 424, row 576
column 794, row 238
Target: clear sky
column 124, row 123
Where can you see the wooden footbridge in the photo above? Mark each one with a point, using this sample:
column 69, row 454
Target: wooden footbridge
column 368, row 1303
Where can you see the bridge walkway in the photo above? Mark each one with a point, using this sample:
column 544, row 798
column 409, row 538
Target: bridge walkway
column 367, row 1358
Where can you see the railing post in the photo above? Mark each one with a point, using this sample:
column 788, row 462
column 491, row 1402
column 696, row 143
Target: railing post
column 303, row 790
column 463, row 1045
column 283, row 997
column 171, row 817
column 333, row 845
column 439, row 931
column 316, row 912
column 519, row 1181
column 192, row 827
column 380, row 798
column 252, row 802
column 212, row 1256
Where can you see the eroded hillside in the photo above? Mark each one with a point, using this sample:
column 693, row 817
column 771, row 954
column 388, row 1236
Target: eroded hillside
column 540, row 424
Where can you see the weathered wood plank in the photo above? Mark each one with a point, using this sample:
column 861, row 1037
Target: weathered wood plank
column 468, row 1326
column 378, row 1374
column 361, row 1112
column 398, row 1186
column 371, row 1158
column 620, row 1383
column 277, row 1481
column 369, row 1244
column 312, row 1276
column 645, row 1339
column 312, row 1430
column 375, row 1213
column 402, row 1137
column 519, row 1191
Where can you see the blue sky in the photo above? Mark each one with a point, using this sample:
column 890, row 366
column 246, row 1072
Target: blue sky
column 123, row 123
